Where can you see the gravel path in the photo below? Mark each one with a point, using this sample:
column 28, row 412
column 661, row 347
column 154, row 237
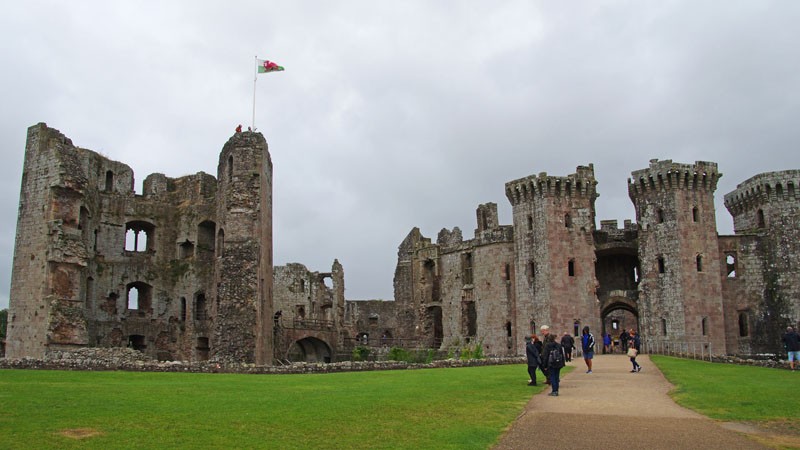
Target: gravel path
column 612, row 408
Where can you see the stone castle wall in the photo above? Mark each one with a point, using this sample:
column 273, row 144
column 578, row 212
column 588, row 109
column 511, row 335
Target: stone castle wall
column 184, row 271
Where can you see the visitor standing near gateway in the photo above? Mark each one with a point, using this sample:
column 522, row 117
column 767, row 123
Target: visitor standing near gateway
column 791, row 341
column 534, row 358
column 545, row 329
column 587, row 345
column 569, row 344
column 553, row 358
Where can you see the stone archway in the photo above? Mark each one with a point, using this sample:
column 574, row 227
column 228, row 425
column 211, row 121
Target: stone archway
column 618, row 314
column 309, row 349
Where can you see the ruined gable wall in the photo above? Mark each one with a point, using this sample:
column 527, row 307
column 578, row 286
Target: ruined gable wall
column 742, row 290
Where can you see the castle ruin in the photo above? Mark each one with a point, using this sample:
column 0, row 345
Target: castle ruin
column 184, row 271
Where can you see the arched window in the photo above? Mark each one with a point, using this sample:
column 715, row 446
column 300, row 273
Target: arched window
column 663, row 327
column 139, row 236
column 695, row 214
column 139, row 297
column 704, row 326
column 661, row 265
column 567, row 221
column 744, row 328
column 200, row 306
column 699, row 262
column 660, row 215
column 571, row 267
column 760, row 218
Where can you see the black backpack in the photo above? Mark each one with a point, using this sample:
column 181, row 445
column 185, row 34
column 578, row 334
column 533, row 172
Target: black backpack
column 556, row 358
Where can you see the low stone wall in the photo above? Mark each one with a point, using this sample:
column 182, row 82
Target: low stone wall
column 106, row 359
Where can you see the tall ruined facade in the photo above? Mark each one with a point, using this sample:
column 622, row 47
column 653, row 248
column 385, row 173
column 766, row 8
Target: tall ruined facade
column 184, row 270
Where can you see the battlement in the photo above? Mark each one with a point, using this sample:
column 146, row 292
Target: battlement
column 579, row 184
column 666, row 175
column 763, row 188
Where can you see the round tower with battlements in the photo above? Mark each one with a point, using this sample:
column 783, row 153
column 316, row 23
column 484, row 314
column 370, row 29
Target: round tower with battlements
column 680, row 288
column 766, row 210
column 555, row 277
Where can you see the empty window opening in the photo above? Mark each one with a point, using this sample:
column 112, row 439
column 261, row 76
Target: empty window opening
column 109, row 181
column 571, row 267
column 508, row 335
column 730, row 264
column 744, row 329
column 138, row 295
column 699, row 262
column 531, row 272
column 230, row 168
column 183, row 309
column 567, row 221
column 469, row 319
column 663, row 327
column 695, row 214
column 89, row 291
column 466, row 264
column 661, row 268
column 660, row 215
column 203, row 348
column 635, row 274
column 533, row 327
column 760, row 218
column 137, row 342
column 704, row 326
column 186, row 250
column 507, row 272
column 138, row 236
column 206, row 231
column 200, row 307
column 530, row 223
column 301, row 311
column 615, row 324
column 576, row 328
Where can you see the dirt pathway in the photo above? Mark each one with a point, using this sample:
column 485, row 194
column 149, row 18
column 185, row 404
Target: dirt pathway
column 592, row 410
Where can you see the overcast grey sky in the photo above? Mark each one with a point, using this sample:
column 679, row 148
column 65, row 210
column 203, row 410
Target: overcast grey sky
column 392, row 115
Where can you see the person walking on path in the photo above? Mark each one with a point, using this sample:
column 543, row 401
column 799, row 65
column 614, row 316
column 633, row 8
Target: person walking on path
column 569, row 344
column 634, row 347
column 587, row 345
column 553, row 358
column 791, row 342
column 534, row 359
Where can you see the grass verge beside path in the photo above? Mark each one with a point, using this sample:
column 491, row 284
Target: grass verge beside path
column 763, row 396
column 455, row 408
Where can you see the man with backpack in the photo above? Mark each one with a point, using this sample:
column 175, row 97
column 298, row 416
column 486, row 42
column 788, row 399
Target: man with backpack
column 553, row 358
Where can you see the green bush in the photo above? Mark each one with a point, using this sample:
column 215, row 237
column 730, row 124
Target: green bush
column 360, row 353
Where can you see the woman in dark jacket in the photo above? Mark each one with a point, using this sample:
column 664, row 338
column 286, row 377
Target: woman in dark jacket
column 534, row 358
column 554, row 373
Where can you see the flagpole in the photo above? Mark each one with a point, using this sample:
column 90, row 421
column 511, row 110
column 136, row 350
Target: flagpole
column 255, row 78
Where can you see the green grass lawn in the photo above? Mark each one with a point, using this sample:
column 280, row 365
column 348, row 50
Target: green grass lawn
column 734, row 393
column 457, row 408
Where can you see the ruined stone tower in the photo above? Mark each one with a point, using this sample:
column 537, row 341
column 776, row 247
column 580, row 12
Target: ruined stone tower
column 553, row 225
column 680, row 294
column 243, row 309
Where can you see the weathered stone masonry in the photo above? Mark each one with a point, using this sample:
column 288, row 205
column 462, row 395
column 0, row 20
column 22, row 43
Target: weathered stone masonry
column 184, row 271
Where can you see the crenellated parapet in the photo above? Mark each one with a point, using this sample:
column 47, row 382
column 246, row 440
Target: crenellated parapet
column 579, row 184
column 755, row 192
column 667, row 175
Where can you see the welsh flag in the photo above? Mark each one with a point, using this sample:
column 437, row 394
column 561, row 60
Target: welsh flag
column 265, row 66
